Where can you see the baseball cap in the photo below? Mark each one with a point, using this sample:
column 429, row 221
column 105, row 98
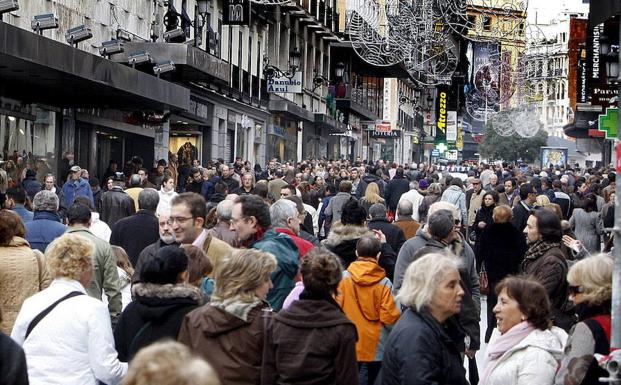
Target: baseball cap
column 75, row 169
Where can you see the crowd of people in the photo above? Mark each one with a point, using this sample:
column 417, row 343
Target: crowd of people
column 315, row 272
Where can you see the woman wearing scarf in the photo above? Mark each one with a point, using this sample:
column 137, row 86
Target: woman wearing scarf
column 524, row 349
column 312, row 342
column 590, row 290
column 228, row 331
column 545, row 261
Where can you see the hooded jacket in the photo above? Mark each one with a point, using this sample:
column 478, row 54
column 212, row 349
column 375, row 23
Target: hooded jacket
column 365, row 295
column 156, row 312
column 455, row 195
column 534, row 360
column 310, row 343
column 342, row 242
column 232, row 345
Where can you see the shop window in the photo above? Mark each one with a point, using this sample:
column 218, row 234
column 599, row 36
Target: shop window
column 29, row 143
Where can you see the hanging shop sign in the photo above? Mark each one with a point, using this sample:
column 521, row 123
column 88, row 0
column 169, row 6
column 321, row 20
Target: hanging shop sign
column 442, row 101
column 283, row 84
column 236, row 12
column 386, row 134
column 451, row 126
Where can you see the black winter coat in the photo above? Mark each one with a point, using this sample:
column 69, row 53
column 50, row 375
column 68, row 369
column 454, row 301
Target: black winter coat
column 115, row 205
column 135, row 233
column 396, row 187
column 394, row 235
column 420, row 351
column 156, row 313
column 502, row 249
column 364, row 182
column 520, row 216
column 13, row 369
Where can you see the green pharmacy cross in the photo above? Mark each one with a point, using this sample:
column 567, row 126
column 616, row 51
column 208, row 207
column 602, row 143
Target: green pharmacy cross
column 609, row 123
column 441, row 147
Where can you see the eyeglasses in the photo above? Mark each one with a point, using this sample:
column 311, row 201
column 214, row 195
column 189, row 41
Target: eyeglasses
column 575, row 290
column 179, row 220
column 235, row 221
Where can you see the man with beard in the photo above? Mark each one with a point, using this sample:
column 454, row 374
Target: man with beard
column 167, row 238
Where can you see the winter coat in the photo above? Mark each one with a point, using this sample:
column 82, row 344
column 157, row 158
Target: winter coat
column 364, row 182
column 134, row 233
column 73, row 344
column 394, row 235
column 474, row 205
column 550, row 270
column 13, row 368
column 222, row 231
column 456, row 196
column 342, row 242
column 156, row 313
column 73, row 189
column 423, row 209
column 23, row 273
column 287, row 255
column 367, row 204
column 534, row 360
column 303, row 245
column 231, row 344
column 414, row 197
column 335, row 206
column 32, row 186
column 43, row 229
column 502, row 249
column 116, row 204
column 105, row 275
column 310, row 343
column 397, row 187
column 365, row 295
column 483, row 215
column 409, row 227
column 421, row 351
column 588, row 228
column 25, row 214
column 521, row 212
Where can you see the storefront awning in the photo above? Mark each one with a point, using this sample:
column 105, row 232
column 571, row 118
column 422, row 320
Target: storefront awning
column 191, row 64
column 36, row 69
column 292, row 110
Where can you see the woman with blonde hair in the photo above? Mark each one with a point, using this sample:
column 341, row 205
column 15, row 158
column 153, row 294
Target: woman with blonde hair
column 169, row 363
column 542, row 201
column 66, row 334
column 371, row 196
column 228, row 331
column 23, row 271
column 422, row 346
column 126, row 272
column 590, row 289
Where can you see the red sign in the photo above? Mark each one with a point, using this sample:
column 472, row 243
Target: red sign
column 381, row 126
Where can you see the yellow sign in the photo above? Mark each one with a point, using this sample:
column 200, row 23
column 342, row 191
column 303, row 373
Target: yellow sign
column 415, row 140
column 460, row 140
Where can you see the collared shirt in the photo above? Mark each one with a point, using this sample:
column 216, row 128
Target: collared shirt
column 198, row 242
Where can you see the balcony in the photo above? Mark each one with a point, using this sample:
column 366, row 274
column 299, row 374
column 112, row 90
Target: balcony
column 352, row 98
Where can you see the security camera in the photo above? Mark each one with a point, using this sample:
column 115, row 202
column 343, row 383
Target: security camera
column 163, row 67
column 8, row 6
column 111, row 47
column 139, row 57
column 78, row 34
column 43, row 22
column 173, row 34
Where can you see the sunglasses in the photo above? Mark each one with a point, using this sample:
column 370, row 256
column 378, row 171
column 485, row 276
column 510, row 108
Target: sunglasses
column 575, row 290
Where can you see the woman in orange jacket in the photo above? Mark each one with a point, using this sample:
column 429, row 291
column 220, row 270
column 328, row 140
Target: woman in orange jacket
column 365, row 295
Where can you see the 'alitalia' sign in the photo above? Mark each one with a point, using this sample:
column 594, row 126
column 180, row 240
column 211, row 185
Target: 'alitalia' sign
column 284, row 84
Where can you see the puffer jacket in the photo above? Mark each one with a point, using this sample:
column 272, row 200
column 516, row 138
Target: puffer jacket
column 456, row 196
column 23, row 273
column 156, row 312
column 365, row 296
column 534, row 360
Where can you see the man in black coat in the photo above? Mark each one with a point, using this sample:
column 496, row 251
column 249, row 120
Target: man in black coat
column 138, row 231
column 394, row 235
column 396, row 187
column 13, row 369
column 115, row 204
column 521, row 211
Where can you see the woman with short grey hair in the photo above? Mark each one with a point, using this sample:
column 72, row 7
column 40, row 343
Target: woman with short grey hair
column 422, row 347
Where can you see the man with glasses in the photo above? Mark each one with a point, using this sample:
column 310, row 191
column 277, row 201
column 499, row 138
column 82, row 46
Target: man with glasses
column 252, row 222
column 187, row 219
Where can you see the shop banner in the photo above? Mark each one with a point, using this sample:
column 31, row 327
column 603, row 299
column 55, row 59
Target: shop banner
column 442, row 102
column 451, row 126
column 284, row 84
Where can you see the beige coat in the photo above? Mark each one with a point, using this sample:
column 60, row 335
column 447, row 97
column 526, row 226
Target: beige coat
column 23, row 273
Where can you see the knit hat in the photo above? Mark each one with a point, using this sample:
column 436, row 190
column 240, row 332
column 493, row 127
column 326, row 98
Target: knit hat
column 423, row 184
column 45, row 200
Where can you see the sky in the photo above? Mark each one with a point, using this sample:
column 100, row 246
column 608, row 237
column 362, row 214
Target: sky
column 547, row 9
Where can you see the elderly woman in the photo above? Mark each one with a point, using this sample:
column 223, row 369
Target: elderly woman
column 502, row 249
column 422, row 346
column 312, row 342
column 228, row 331
column 23, row 271
column 590, row 290
column 523, row 349
column 66, row 334
column 161, row 301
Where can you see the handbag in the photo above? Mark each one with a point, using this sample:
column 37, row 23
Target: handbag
column 483, row 281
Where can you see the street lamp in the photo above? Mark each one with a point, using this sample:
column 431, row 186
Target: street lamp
column 294, row 59
column 339, row 69
column 271, row 71
column 200, row 13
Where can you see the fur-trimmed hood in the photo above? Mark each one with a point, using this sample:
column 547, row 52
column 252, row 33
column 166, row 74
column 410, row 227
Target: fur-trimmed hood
column 153, row 301
column 340, row 233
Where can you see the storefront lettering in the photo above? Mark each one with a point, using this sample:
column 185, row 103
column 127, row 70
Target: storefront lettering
column 442, row 114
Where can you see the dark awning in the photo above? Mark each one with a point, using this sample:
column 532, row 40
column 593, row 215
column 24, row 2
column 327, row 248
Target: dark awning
column 290, row 109
column 36, row 69
column 192, row 64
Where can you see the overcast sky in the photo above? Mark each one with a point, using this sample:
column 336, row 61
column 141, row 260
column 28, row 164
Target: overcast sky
column 546, row 9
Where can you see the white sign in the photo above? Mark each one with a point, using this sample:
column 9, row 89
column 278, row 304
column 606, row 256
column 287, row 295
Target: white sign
column 284, row 84
column 451, row 126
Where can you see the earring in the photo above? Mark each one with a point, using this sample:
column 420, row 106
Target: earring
column 523, row 319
